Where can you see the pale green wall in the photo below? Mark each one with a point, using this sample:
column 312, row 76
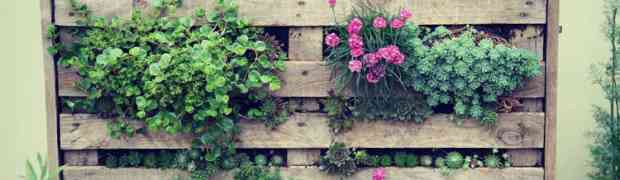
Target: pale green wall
column 22, row 132
column 582, row 43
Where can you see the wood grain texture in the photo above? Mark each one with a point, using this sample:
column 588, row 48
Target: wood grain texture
column 311, row 173
column 513, row 130
column 551, row 55
column 301, row 79
column 302, row 157
column 81, row 158
column 525, row 157
column 106, row 8
column 311, row 130
column 305, row 44
column 318, row 13
column 49, row 72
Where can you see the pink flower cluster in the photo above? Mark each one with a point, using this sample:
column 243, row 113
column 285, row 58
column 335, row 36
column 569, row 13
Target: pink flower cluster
column 391, row 54
column 378, row 174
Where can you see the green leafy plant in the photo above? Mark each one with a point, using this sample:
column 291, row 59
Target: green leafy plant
column 606, row 148
column 386, row 160
column 338, row 160
column 43, row 172
column 177, row 76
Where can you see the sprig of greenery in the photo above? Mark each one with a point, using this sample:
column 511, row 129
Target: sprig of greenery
column 606, row 148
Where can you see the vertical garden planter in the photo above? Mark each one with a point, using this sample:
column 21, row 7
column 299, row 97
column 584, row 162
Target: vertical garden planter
column 528, row 135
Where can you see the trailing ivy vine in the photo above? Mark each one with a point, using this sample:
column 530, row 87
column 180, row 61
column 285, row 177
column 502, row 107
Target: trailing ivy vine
column 196, row 75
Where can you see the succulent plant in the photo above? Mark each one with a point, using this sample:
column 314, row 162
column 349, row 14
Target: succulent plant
column 260, row 160
column 150, row 160
column 440, row 162
column 426, row 161
column 111, row 161
column 400, row 159
column 492, row 161
column 454, row 160
column 412, row 160
column 277, row 160
column 229, row 163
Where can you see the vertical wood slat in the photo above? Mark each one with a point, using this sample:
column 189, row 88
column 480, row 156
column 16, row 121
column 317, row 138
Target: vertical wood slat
column 81, row 158
column 302, row 157
column 551, row 49
column 50, row 88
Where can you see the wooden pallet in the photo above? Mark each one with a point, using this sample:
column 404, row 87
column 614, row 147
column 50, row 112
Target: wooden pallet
column 527, row 135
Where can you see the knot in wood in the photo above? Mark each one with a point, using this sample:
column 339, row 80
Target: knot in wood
column 511, row 137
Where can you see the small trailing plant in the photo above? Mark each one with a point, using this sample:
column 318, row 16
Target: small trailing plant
column 177, row 77
column 381, row 57
column 606, row 148
column 42, row 171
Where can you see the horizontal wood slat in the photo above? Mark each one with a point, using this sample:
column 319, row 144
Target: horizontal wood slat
column 301, row 79
column 311, row 130
column 318, row 13
column 309, row 173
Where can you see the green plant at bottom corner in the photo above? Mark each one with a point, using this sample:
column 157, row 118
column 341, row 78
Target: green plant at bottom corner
column 42, row 171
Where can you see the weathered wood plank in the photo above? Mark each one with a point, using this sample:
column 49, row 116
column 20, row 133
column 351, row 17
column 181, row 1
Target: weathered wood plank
column 310, row 173
column 318, row 13
column 81, row 158
column 513, row 130
column 65, row 17
column 311, row 130
column 305, row 44
column 301, row 79
column 551, row 56
column 302, row 157
column 525, row 157
column 49, row 69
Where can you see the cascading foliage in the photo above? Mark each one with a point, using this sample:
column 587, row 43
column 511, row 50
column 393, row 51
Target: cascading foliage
column 178, row 76
column 384, row 56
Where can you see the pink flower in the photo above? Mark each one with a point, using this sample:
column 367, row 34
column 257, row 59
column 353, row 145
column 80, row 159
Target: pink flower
column 372, row 78
column 406, row 14
column 355, row 66
column 379, row 22
column 375, row 74
column 331, row 3
column 357, row 52
column 397, row 23
column 371, row 59
column 398, row 59
column 355, row 41
column 332, row 40
column 378, row 174
column 355, row 26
